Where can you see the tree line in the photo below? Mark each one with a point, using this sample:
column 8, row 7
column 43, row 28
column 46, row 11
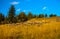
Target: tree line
column 22, row 17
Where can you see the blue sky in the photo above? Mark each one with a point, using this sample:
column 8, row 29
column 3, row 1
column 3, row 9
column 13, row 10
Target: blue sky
column 34, row 6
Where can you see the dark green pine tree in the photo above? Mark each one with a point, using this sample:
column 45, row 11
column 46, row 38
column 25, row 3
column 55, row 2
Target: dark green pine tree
column 46, row 16
column 52, row 15
column 1, row 18
column 11, row 15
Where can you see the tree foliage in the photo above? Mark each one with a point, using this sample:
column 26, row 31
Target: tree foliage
column 1, row 18
column 22, row 17
column 52, row 15
column 11, row 15
column 41, row 15
column 35, row 16
column 30, row 16
column 46, row 16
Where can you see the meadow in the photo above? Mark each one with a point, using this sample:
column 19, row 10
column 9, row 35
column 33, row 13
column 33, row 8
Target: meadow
column 37, row 28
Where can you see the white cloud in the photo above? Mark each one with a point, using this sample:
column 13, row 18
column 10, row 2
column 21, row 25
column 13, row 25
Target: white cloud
column 15, row 3
column 44, row 8
column 18, row 9
column 24, row 10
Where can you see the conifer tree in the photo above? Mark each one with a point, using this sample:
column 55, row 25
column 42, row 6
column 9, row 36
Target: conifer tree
column 11, row 14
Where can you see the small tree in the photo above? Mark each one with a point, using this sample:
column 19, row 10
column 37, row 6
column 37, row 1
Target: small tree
column 46, row 15
column 35, row 16
column 52, row 15
column 41, row 15
column 22, row 17
column 30, row 16
column 55, row 15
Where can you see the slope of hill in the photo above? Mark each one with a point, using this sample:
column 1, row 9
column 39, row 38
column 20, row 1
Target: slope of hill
column 45, row 20
column 37, row 28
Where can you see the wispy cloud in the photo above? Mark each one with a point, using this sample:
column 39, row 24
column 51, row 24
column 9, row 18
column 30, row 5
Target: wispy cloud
column 24, row 10
column 18, row 9
column 44, row 8
column 14, row 3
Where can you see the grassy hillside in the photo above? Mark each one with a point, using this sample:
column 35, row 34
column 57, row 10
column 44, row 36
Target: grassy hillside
column 37, row 28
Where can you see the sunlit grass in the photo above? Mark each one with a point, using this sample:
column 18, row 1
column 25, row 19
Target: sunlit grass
column 49, row 30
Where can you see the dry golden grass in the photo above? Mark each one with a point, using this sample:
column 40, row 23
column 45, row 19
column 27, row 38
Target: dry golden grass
column 49, row 30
